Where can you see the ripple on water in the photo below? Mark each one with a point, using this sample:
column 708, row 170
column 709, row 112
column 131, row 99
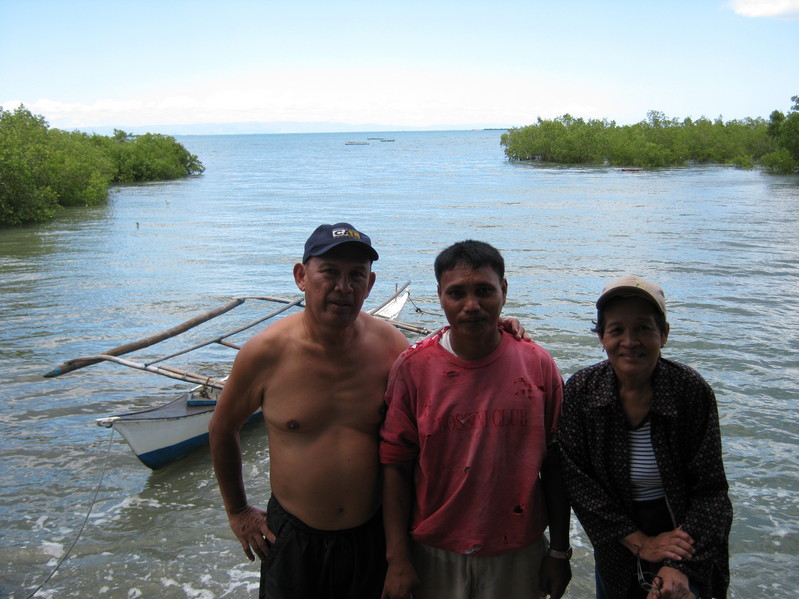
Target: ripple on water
column 723, row 243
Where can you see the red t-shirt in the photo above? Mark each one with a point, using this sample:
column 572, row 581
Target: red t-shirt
column 478, row 431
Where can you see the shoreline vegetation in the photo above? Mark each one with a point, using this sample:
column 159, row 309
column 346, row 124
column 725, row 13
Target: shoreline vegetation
column 660, row 141
column 43, row 170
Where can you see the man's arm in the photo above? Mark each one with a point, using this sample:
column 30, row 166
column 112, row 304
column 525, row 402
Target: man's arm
column 397, row 500
column 555, row 572
column 236, row 404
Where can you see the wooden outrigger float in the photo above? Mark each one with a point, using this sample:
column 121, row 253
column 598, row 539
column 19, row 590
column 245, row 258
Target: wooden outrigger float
column 161, row 435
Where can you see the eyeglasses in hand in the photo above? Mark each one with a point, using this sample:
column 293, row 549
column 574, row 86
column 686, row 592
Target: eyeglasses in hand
column 648, row 581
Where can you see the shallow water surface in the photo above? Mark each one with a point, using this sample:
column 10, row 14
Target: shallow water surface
column 723, row 243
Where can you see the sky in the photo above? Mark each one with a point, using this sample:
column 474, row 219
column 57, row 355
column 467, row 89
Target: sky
column 200, row 66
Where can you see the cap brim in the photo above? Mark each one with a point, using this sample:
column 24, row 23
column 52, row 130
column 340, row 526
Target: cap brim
column 627, row 292
column 367, row 249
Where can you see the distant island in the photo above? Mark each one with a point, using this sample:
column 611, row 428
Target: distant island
column 44, row 169
column 660, row 141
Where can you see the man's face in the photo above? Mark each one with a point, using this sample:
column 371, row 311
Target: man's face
column 472, row 300
column 336, row 284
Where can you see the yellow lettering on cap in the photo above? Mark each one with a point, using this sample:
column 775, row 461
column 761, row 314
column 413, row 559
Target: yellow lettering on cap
column 346, row 233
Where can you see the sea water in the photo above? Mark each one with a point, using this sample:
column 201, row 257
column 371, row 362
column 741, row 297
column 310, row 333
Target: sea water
column 723, row 243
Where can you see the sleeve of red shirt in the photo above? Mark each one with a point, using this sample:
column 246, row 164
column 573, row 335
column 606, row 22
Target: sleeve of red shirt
column 554, row 395
column 399, row 434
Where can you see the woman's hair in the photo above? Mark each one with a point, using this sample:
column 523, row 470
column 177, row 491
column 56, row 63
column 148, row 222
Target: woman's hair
column 599, row 323
column 475, row 254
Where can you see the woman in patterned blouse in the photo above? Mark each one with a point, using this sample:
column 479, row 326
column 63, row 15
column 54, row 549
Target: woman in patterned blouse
column 641, row 449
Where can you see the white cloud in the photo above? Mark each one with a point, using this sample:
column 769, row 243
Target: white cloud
column 785, row 9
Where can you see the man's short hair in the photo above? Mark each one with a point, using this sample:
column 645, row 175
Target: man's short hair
column 475, row 254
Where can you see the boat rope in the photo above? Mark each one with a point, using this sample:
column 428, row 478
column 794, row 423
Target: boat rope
column 418, row 309
column 85, row 520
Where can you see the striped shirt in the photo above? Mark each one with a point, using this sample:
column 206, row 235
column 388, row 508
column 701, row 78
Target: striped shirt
column 644, row 471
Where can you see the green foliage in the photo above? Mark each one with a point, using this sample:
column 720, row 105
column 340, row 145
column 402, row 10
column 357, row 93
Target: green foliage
column 784, row 130
column 80, row 172
column 152, row 157
column 779, row 162
column 743, row 161
column 26, row 192
column 564, row 139
column 660, row 141
column 42, row 169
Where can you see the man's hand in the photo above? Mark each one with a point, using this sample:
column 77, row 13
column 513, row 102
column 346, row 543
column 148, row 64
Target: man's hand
column 249, row 526
column 514, row 327
column 400, row 579
column 554, row 577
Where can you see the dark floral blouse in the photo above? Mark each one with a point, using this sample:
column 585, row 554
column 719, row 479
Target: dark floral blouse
column 592, row 436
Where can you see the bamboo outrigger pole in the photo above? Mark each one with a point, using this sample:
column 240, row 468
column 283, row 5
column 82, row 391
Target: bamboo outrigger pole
column 77, row 363
column 167, row 371
column 221, row 338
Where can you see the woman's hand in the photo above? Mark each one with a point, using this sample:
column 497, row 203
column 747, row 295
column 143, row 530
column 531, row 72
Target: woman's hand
column 674, row 585
column 674, row 544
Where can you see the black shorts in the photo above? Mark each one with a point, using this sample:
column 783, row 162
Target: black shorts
column 306, row 563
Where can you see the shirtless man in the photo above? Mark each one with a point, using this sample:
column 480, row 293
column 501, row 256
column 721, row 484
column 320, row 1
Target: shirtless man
column 319, row 376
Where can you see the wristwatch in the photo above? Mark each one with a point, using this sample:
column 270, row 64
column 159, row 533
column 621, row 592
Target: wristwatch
column 560, row 554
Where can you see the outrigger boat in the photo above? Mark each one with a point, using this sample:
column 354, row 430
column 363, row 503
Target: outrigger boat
column 161, row 435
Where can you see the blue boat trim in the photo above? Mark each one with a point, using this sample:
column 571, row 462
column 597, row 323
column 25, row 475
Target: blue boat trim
column 200, row 402
column 159, row 458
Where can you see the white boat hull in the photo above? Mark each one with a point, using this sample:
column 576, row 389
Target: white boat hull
column 165, row 434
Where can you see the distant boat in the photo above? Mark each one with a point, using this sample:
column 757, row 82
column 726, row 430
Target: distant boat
column 386, row 140
column 357, row 143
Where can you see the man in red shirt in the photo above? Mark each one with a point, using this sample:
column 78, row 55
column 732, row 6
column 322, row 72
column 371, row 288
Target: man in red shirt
column 466, row 446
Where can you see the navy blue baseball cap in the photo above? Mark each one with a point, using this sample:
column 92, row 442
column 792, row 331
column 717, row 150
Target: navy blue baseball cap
column 326, row 237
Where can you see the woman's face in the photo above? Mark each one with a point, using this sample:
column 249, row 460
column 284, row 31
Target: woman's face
column 631, row 337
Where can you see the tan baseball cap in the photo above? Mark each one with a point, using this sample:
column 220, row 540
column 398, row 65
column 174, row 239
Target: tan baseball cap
column 633, row 286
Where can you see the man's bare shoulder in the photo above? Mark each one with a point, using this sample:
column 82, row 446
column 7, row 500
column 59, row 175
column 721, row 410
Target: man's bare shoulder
column 384, row 334
column 268, row 345
column 253, row 370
